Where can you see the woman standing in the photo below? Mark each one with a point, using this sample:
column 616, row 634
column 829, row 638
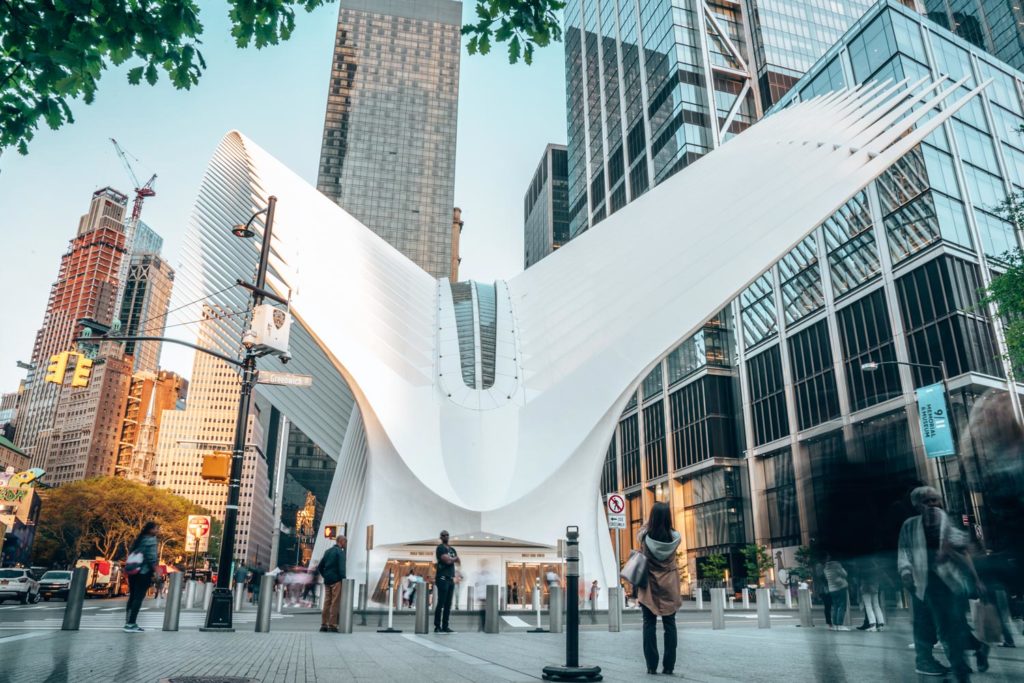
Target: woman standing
column 141, row 566
column 838, row 588
column 660, row 597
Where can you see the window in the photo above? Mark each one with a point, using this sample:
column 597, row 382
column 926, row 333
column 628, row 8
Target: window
column 801, row 281
column 767, row 397
column 850, row 243
column 758, row 311
column 609, row 475
column 713, row 509
column 780, row 495
column 866, row 335
column 654, row 437
column 703, row 423
column 814, row 381
column 630, row 451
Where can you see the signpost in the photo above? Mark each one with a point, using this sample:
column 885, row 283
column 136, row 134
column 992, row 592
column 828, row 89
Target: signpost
column 617, row 520
column 284, row 379
column 197, row 538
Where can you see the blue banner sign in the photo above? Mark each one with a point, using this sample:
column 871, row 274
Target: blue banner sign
column 936, row 431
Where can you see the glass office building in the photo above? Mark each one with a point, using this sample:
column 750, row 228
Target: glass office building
column 764, row 427
column 993, row 25
column 388, row 150
column 652, row 85
column 546, row 206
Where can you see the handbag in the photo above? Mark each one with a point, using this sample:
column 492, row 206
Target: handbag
column 988, row 627
column 635, row 569
column 134, row 563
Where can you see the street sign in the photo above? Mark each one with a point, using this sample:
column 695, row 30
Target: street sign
column 616, row 521
column 283, row 379
column 616, row 504
column 936, row 431
column 197, row 531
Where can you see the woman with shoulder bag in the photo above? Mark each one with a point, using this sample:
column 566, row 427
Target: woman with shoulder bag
column 140, row 568
column 660, row 597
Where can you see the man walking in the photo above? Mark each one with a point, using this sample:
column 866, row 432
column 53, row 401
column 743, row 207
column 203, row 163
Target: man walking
column 444, row 579
column 937, row 571
column 332, row 568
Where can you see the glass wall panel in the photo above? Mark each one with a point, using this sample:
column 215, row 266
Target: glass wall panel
column 758, row 311
column 814, row 381
column 767, row 396
column 866, row 335
column 629, row 436
column 654, row 438
column 780, row 496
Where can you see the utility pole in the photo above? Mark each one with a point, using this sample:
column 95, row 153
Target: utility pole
column 220, row 617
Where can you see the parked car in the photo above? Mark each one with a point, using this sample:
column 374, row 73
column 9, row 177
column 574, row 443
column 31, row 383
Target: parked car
column 55, row 584
column 18, row 584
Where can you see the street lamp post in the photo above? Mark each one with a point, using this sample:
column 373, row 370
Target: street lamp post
column 220, row 617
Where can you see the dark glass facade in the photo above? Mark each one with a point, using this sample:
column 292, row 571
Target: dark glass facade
column 996, row 26
column 546, row 206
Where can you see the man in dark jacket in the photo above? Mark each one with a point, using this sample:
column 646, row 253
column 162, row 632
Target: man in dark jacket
column 332, row 568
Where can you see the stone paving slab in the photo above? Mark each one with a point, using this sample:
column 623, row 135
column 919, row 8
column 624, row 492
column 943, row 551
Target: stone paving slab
column 784, row 654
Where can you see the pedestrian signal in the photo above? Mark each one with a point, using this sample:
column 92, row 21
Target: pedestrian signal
column 332, row 531
column 217, row 467
column 83, row 370
column 57, row 367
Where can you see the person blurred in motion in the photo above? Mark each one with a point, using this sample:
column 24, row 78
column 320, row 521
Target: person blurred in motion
column 140, row 568
column 839, row 590
column 407, row 589
column 937, row 571
column 870, row 587
column 821, row 592
column 660, row 597
column 595, row 590
column 332, row 568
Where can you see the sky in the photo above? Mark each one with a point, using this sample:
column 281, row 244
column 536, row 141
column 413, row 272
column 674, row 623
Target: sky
column 277, row 97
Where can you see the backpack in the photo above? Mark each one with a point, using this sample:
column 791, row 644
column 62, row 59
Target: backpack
column 134, row 563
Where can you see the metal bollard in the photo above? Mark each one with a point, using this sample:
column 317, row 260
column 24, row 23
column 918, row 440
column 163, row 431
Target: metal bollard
column 746, row 598
column 789, row 598
column 700, row 598
column 347, row 600
column 536, row 606
column 804, row 603
column 391, row 607
column 265, row 603
column 76, row 596
column 614, row 609
column 190, row 591
column 173, row 609
column 491, row 619
column 207, row 595
column 362, row 604
column 422, row 616
column 717, row 609
column 556, row 607
column 732, row 602
column 279, row 606
column 239, row 596
column 318, row 595
column 470, row 602
column 763, row 619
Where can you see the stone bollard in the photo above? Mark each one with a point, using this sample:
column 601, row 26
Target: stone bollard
column 347, row 601
column 614, row 609
column 717, row 608
column 732, row 602
column 804, row 603
column 265, row 603
column 763, row 619
column 556, row 608
column 75, row 599
column 700, row 598
column 746, row 598
column 492, row 623
column 422, row 616
column 172, row 611
column 207, row 595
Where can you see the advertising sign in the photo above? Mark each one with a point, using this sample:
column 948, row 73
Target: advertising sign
column 936, row 431
column 198, row 531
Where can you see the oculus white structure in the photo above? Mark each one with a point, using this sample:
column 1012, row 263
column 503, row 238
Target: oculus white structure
column 486, row 409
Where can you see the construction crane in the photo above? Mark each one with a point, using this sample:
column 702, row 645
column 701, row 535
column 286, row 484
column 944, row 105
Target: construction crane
column 141, row 191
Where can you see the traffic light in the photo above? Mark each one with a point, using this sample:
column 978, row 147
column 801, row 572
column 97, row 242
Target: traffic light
column 58, row 366
column 83, row 369
column 217, row 467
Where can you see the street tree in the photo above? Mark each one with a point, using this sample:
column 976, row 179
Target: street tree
column 102, row 516
column 756, row 561
column 1006, row 290
column 714, row 567
column 52, row 53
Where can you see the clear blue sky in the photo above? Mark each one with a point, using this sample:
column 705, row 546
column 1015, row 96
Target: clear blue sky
column 276, row 96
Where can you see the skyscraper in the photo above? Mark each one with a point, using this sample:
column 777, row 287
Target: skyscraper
column 993, row 25
column 388, row 150
column 86, row 287
column 653, row 85
column 147, row 294
column 546, row 206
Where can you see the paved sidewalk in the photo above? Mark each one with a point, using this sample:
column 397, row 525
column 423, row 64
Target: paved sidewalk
column 785, row 654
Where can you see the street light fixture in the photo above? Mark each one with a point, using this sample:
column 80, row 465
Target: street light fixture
column 220, row 617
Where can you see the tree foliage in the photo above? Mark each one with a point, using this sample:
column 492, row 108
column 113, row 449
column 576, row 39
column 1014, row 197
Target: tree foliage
column 101, row 517
column 1006, row 291
column 756, row 560
column 714, row 567
column 52, row 53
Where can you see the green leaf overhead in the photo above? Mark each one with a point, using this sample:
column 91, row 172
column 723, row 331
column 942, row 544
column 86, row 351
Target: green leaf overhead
column 53, row 52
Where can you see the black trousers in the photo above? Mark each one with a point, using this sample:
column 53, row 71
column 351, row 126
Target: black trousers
column 443, row 609
column 826, row 602
column 651, row 639
column 138, row 584
column 942, row 615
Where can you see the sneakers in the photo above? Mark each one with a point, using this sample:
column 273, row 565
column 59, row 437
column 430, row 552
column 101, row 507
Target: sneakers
column 437, row 629
column 132, row 628
column 332, row 629
column 842, row 628
column 447, row 630
column 880, row 627
column 866, row 627
column 871, row 629
column 982, row 656
column 931, row 668
column 324, row 629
